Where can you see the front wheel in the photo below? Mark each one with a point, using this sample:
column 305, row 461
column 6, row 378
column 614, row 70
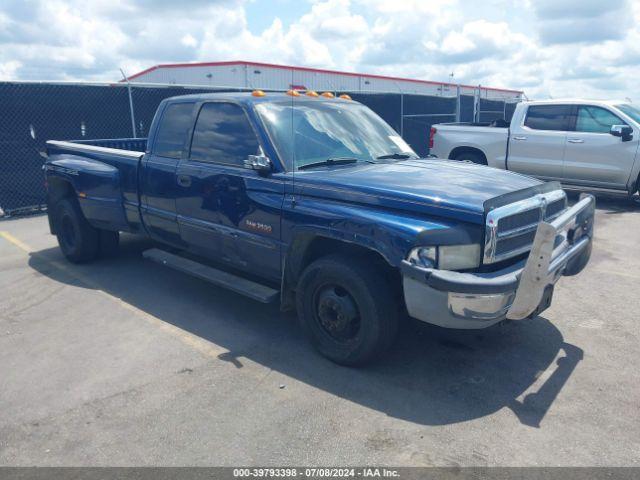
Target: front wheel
column 347, row 309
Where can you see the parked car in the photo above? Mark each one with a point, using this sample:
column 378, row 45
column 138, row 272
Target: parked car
column 581, row 143
column 318, row 203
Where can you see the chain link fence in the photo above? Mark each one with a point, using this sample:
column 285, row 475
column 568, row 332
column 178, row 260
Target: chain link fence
column 32, row 113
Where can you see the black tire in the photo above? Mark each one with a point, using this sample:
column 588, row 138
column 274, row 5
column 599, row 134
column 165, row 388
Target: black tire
column 79, row 241
column 470, row 157
column 337, row 285
column 109, row 242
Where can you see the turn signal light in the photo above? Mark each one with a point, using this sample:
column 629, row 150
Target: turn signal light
column 293, row 93
column 344, row 96
column 311, row 93
column 258, row 93
column 328, row 95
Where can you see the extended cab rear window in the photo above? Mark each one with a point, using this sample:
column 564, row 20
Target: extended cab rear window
column 549, row 117
column 224, row 135
column 172, row 130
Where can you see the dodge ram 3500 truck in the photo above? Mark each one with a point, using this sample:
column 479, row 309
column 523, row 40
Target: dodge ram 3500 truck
column 318, row 203
column 584, row 144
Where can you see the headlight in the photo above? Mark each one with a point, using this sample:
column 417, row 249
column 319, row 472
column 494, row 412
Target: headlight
column 447, row 257
column 424, row 256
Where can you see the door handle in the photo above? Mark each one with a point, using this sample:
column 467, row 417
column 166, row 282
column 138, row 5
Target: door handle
column 575, row 140
column 184, row 180
column 519, row 137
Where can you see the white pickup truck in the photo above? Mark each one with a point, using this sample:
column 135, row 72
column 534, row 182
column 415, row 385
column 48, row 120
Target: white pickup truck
column 582, row 143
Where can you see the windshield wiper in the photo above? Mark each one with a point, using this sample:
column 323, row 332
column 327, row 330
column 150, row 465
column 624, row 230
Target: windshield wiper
column 396, row 156
column 329, row 161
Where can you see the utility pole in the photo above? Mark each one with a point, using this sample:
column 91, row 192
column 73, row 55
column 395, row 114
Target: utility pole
column 451, row 75
column 133, row 118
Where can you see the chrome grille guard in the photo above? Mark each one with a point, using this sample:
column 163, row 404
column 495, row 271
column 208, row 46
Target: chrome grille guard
column 562, row 246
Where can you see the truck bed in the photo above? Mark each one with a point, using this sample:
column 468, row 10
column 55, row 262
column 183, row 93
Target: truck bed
column 493, row 124
column 104, row 174
column 452, row 139
column 131, row 144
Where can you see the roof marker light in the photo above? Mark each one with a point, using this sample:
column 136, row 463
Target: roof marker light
column 344, row 96
column 293, row 93
column 311, row 93
column 258, row 93
column 328, row 95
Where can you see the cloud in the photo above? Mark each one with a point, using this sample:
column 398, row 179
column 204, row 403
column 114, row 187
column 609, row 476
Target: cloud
column 172, row 5
column 609, row 26
column 548, row 47
column 9, row 69
column 480, row 40
column 576, row 21
column 570, row 9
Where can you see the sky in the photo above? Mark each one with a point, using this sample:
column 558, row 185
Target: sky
column 548, row 48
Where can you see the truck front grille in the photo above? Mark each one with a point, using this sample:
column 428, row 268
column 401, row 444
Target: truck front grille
column 514, row 243
column 515, row 222
column 555, row 208
column 511, row 229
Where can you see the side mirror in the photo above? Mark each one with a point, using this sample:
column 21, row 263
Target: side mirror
column 259, row 163
column 625, row 132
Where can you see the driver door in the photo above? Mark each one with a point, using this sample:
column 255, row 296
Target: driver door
column 230, row 212
column 595, row 157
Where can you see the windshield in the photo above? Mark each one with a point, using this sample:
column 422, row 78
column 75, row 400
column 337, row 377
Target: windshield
column 631, row 110
column 315, row 132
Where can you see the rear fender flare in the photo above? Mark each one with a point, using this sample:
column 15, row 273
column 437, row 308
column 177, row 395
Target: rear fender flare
column 95, row 184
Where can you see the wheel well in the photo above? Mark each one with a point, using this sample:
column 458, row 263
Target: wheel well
column 308, row 250
column 58, row 188
column 459, row 150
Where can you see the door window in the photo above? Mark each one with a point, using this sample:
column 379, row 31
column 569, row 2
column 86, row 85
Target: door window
column 549, row 117
column 631, row 110
column 173, row 129
column 595, row 119
column 223, row 134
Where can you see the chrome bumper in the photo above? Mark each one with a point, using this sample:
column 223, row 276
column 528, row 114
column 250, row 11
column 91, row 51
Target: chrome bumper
column 478, row 300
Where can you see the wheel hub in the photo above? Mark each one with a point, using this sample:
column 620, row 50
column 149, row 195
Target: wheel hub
column 337, row 312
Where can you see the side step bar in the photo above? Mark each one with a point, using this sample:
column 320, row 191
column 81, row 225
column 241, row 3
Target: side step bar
column 240, row 285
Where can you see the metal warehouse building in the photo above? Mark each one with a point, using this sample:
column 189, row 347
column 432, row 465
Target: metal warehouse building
column 36, row 111
column 241, row 74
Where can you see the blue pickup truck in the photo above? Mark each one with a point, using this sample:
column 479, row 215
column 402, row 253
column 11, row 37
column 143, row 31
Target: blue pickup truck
column 317, row 203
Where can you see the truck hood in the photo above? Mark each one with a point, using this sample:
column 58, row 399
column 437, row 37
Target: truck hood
column 444, row 188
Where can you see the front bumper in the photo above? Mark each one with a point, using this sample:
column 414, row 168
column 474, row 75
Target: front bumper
column 479, row 300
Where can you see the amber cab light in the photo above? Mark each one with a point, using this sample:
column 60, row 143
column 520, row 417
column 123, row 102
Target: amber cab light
column 258, row 93
column 311, row 93
column 328, row 95
column 293, row 93
column 344, row 96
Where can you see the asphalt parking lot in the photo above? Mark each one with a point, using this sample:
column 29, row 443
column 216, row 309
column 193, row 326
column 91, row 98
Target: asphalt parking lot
column 122, row 362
